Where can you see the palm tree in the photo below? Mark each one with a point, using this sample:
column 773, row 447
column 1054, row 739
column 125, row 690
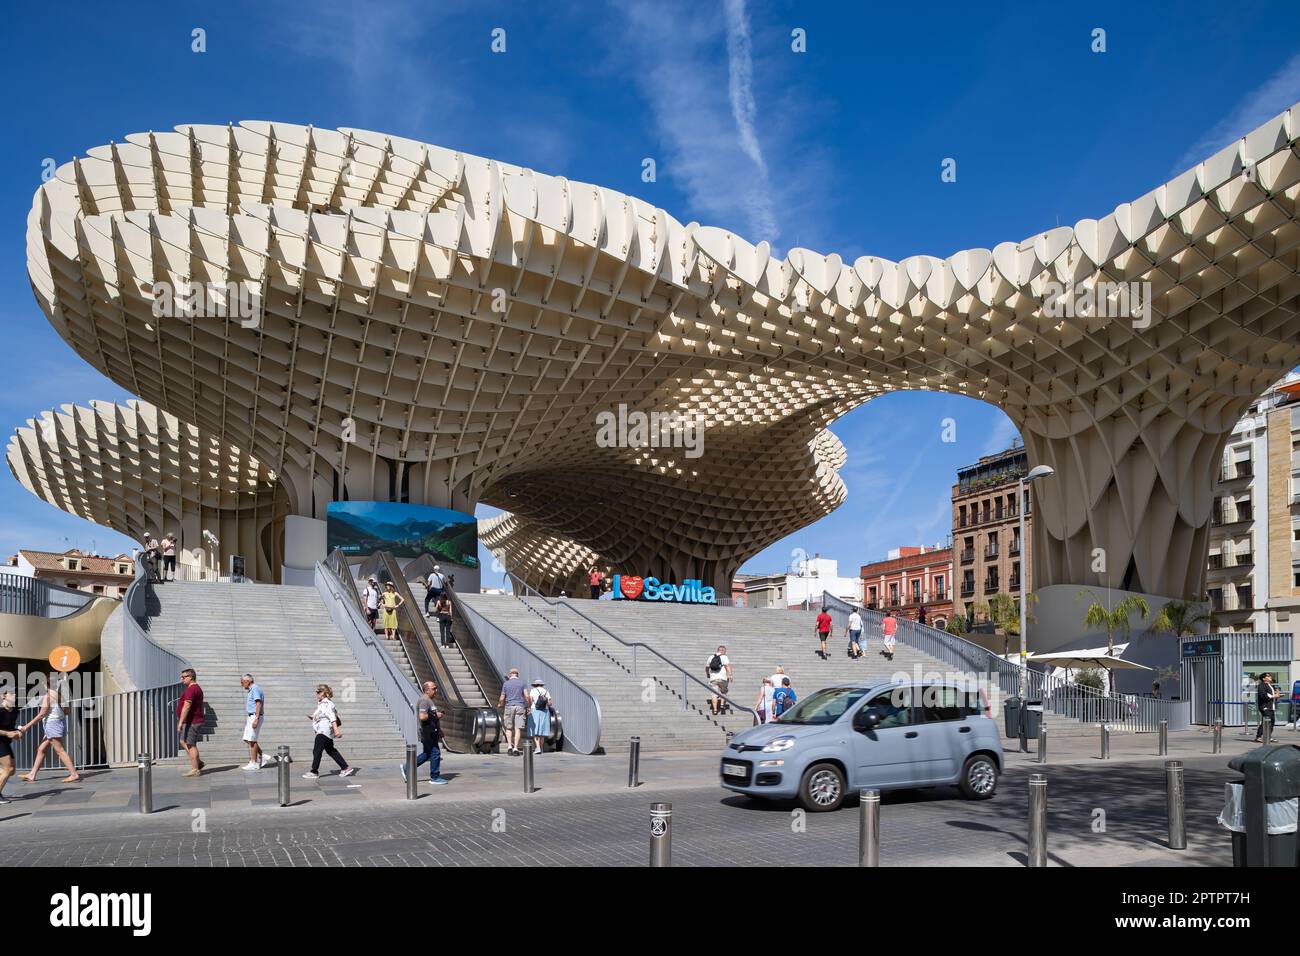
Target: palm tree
column 1181, row 619
column 1113, row 618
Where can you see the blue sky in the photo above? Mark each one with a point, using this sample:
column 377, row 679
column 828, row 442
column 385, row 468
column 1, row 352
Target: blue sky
column 837, row 148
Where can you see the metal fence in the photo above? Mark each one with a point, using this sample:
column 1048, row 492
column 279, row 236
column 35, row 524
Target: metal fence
column 20, row 594
column 1059, row 696
column 107, row 731
column 579, row 709
column 398, row 692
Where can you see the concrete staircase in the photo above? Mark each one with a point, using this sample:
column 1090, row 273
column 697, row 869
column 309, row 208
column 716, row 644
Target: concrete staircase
column 628, row 704
column 284, row 637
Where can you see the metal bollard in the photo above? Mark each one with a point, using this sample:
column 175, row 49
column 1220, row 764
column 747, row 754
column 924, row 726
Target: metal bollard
column 1218, row 737
column 283, row 765
column 661, row 834
column 1176, row 804
column 528, row 768
column 869, row 828
column 1164, row 738
column 1037, row 820
column 412, row 778
column 1105, row 742
column 1042, row 743
column 1024, row 729
column 1267, row 724
column 144, row 762
column 634, row 763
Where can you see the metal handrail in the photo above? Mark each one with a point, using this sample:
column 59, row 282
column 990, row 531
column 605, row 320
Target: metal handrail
column 557, row 603
column 400, row 694
column 583, row 722
column 20, row 594
column 466, row 727
column 1063, row 697
column 147, row 664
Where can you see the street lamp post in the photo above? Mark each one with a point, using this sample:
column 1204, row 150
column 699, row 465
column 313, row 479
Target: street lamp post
column 1040, row 471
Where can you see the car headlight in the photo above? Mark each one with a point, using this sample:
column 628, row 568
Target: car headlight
column 778, row 745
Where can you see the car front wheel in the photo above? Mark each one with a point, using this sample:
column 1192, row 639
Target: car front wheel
column 979, row 778
column 822, row 788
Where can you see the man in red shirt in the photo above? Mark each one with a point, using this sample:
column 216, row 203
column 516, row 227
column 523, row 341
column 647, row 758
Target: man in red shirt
column 189, row 720
column 823, row 631
column 889, row 626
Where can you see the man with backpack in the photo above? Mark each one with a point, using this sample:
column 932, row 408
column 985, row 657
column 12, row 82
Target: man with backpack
column 436, row 584
column 718, row 672
column 784, row 698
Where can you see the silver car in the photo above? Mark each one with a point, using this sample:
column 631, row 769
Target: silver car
column 879, row 736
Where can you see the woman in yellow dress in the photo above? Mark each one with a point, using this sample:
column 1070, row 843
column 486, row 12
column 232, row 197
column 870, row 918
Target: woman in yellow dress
column 390, row 601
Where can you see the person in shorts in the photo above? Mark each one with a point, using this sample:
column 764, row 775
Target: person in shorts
column 255, row 709
column 718, row 672
column 889, row 627
column 823, row 632
column 370, row 598
column 189, row 720
column 514, row 710
column 855, row 634
column 55, row 728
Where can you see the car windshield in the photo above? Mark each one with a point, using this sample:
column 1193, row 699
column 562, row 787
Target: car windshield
column 824, row 707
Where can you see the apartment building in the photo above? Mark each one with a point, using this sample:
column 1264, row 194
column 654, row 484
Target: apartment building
column 1253, row 572
column 95, row 573
column 988, row 554
column 909, row 579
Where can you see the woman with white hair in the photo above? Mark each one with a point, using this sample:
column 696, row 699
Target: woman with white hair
column 539, row 714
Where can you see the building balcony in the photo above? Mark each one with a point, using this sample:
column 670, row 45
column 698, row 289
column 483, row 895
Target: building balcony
column 968, row 556
column 1244, row 469
column 1223, row 517
column 1013, row 584
column 1215, row 562
column 990, row 554
column 967, row 589
column 1013, row 547
column 991, row 587
column 1243, row 558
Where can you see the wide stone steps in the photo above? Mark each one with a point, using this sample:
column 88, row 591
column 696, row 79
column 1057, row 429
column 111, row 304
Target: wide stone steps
column 286, row 639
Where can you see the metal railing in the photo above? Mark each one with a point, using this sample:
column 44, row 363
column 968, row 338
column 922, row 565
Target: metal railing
column 107, row 731
column 578, row 708
column 341, row 599
column 147, row 664
column 20, row 594
column 1059, row 696
column 637, row 647
column 466, row 728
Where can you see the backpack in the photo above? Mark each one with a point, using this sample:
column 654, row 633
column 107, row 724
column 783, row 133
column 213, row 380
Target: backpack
column 715, row 664
column 542, row 702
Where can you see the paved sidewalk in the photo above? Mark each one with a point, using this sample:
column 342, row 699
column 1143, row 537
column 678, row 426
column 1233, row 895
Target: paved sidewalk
column 584, row 814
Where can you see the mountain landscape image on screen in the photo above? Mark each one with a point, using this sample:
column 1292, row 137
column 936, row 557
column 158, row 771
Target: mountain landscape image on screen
column 408, row 531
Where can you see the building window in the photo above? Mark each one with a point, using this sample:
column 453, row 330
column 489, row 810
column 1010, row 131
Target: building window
column 916, row 590
column 71, row 584
column 74, row 564
column 938, row 588
column 98, row 589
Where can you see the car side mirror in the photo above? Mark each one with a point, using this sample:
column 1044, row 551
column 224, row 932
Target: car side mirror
column 865, row 720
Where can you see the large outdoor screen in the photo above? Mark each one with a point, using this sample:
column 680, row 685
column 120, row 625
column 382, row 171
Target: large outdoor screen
column 358, row 528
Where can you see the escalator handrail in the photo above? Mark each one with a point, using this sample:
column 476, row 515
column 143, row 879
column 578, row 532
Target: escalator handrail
column 423, row 636
column 459, row 609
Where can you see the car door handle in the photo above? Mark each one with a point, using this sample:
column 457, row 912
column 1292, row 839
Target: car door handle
column 910, row 734
column 963, row 730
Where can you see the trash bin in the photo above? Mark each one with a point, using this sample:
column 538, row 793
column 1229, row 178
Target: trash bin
column 1261, row 809
column 1011, row 711
column 1033, row 718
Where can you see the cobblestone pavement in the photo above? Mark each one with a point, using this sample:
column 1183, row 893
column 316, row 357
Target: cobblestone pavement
column 584, row 815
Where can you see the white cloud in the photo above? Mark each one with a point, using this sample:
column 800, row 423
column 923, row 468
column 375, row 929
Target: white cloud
column 712, row 145
column 1001, row 436
column 1279, row 92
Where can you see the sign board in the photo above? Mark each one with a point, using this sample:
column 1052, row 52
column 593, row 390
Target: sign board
column 236, row 568
column 1208, row 648
column 65, row 658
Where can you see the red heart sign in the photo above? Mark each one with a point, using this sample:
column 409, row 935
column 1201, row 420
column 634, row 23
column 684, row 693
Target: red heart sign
column 631, row 587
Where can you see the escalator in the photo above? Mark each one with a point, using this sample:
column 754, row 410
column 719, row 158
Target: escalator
column 470, row 723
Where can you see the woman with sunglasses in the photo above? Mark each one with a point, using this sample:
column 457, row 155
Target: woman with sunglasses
column 325, row 721
column 390, row 600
